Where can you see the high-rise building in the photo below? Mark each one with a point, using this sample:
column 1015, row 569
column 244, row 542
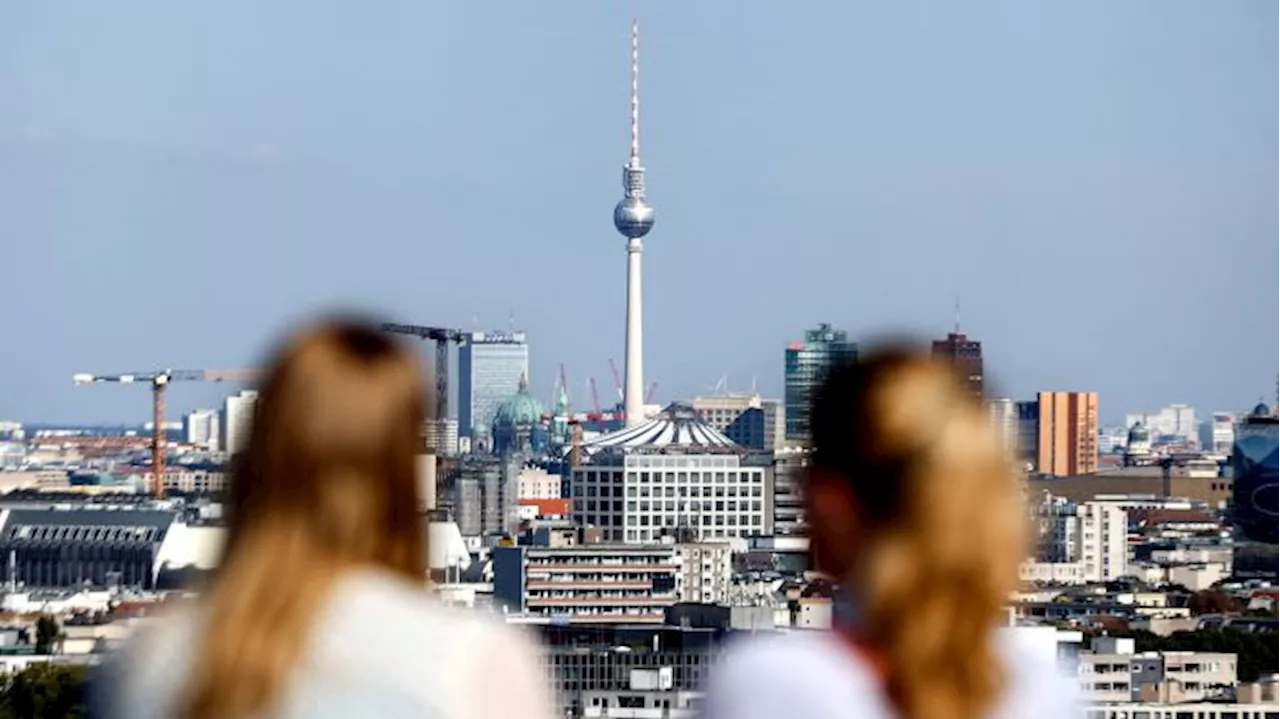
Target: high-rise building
column 633, row 217
column 806, row 365
column 747, row 419
column 201, row 429
column 237, row 420
column 1004, row 420
column 964, row 355
column 1067, row 433
column 490, row 365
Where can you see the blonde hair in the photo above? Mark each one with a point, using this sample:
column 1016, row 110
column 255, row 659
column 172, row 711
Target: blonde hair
column 326, row 484
column 941, row 531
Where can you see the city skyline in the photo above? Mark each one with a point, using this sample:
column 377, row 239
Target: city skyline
column 909, row 167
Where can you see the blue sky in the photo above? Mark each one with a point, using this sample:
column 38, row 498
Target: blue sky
column 1096, row 180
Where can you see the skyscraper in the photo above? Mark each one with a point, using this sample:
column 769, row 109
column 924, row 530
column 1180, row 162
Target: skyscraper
column 1004, row 420
column 1067, row 433
column 964, row 355
column 633, row 217
column 806, row 364
column 490, row 365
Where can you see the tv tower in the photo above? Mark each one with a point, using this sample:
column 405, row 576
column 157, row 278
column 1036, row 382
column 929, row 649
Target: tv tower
column 633, row 217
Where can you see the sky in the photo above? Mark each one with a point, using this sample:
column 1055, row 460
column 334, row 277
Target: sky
column 180, row 183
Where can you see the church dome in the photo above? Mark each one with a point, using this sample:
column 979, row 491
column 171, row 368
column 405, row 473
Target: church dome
column 1139, row 433
column 522, row 408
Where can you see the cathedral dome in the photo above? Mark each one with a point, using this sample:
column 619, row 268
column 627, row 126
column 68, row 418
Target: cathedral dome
column 523, row 408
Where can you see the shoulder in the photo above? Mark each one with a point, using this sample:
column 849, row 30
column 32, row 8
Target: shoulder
column 809, row 673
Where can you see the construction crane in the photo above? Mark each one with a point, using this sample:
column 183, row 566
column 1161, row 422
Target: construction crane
column 442, row 337
column 617, row 379
column 159, row 381
column 649, row 395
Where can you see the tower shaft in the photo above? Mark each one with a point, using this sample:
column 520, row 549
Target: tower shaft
column 633, row 392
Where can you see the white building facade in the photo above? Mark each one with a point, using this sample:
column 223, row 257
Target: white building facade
column 237, row 420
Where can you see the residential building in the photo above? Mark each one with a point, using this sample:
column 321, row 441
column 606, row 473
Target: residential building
column 1066, row 433
column 707, row 571
column 440, row 436
column 1092, row 534
column 1113, row 672
column 537, row 483
column 672, row 472
column 201, row 428
column 490, row 365
column 964, row 355
column 590, row 582
column 237, row 420
column 807, row 362
column 748, row 419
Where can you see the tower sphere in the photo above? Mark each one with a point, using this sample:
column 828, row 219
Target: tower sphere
column 633, row 217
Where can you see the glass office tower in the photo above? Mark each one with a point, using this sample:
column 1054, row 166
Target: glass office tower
column 490, row 366
column 1253, row 465
column 807, row 362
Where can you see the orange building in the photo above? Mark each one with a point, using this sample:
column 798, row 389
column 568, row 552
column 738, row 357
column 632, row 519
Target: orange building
column 1067, row 433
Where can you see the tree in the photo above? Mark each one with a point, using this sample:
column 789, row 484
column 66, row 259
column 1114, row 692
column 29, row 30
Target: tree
column 47, row 632
column 1213, row 601
column 44, row 690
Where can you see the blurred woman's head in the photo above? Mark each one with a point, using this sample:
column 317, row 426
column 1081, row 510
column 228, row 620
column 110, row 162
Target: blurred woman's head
column 915, row 509
column 327, row 484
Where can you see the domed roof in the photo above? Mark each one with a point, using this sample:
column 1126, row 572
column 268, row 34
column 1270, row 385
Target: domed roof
column 677, row 428
column 522, row 408
column 1262, row 410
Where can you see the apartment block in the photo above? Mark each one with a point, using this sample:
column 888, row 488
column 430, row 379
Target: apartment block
column 1067, row 433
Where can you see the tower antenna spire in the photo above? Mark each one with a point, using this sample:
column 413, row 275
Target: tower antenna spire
column 635, row 92
column 957, row 314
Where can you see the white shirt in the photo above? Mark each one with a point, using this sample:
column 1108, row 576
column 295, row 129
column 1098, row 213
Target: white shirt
column 380, row 648
column 815, row 675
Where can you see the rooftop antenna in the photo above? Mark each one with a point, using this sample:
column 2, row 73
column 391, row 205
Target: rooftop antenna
column 635, row 92
column 512, row 320
column 957, row 314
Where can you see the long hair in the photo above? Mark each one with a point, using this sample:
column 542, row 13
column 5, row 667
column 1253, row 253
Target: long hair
column 939, row 534
column 326, row 484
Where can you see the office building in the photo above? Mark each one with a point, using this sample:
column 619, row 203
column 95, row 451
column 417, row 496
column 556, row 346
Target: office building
column 588, row 583
column 806, row 363
column 201, row 428
column 964, row 355
column 747, row 419
column 672, row 473
column 490, row 365
column 1066, row 433
column 1253, row 464
column 788, row 496
column 1004, row 420
column 237, row 420
column 485, row 494
column 440, row 436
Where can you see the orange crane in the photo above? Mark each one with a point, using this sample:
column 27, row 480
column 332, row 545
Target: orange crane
column 159, row 381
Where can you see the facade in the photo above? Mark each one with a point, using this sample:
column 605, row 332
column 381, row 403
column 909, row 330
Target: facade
column 517, row 425
column 964, row 355
column 1253, row 463
column 201, row 428
column 485, row 495
column 588, row 583
column 490, row 365
column 1004, row 419
column 440, row 436
column 1066, row 433
column 672, row 473
column 1113, row 672
column 237, row 420
column 1218, row 434
column 806, row 363
column 538, row 483
column 55, row 548
column 788, row 496
column 706, row 572
column 1176, row 422
column 1093, row 535
column 747, row 419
